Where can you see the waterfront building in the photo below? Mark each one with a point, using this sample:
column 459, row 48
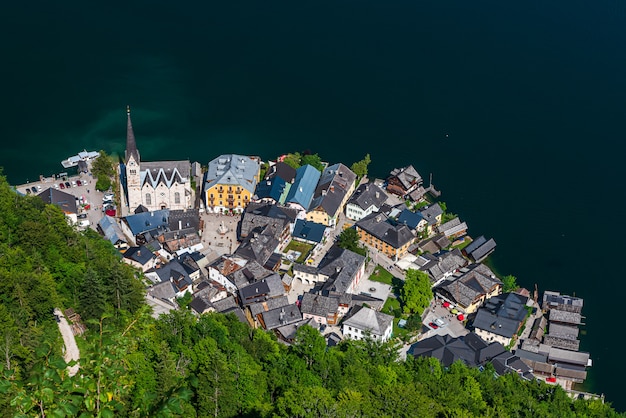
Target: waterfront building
column 333, row 190
column 155, row 185
column 230, row 182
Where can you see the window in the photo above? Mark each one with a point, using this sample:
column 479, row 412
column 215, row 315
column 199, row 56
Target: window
column 176, row 197
column 148, row 199
column 133, row 172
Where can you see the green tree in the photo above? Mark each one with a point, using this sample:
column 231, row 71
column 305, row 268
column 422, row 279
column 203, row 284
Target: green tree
column 416, row 293
column 92, row 297
column 293, row 159
column 349, row 240
column 509, row 283
column 360, row 167
column 313, row 160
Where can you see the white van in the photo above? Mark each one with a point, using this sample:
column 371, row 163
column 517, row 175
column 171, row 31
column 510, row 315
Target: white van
column 84, row 223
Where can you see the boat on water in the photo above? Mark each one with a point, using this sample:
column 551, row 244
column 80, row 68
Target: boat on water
column 81, row 156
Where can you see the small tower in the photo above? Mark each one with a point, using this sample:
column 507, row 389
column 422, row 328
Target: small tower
column 132, row 162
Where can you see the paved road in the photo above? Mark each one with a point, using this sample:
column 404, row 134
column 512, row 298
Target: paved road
column 71, row 349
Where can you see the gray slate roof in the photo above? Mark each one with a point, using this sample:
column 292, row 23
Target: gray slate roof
column 431, row 212
column 262, row 214
column 111, row 230
column 319, row 305
column 261, row 291
column 332, row 188
column 443, row 264
column 282, row 316
column 147, row 221
column 232, row 169
column 368, row 320
column 385, row 229
column 495, row 324
column 64, row 201
column 368, row 195
column 165, row 172
column 477, row 280
column 341, row 266
column 258, row 245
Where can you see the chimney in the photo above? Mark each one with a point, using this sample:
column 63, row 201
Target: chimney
column 138, row 253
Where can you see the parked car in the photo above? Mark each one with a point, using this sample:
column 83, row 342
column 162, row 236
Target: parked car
column 56, row 186
column 108, row 196
column 67, row 184
column 433, row 325
column 28, row 191
column 61, row 185
column 82, row 216
column 78, row 183
column 73, row 183
column 34, row 189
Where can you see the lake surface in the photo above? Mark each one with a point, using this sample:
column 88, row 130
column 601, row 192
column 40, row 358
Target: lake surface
column 516, row 109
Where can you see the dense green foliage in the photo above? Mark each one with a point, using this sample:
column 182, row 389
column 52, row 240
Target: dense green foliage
column 349, row 240
column 416, row 293
column 509, row 283
column 102, row 168
column 360, row 167
column 180, row 365
column 297, row 160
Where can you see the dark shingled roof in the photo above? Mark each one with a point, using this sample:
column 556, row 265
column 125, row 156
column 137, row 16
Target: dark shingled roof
column 282, row 316
column 319, row 305
column 65, row 201
column 332, row 187
column 385, row 229
column 131, row 145
column 308, row 231
column 368, row 195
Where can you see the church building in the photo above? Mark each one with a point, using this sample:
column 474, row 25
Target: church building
column 154, row 185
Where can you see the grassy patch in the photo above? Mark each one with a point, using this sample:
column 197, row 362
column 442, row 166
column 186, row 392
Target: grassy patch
column 390, row 305
column 381, row 275
column 464, row 244
column 302, row 247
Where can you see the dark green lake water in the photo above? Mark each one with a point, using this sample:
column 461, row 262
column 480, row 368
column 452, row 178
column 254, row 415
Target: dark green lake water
column 516, row 108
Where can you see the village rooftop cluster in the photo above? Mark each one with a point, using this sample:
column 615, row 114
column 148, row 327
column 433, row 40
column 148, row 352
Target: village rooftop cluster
column 259, row 240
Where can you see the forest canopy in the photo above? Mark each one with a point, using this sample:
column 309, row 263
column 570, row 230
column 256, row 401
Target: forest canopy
column 133, row 365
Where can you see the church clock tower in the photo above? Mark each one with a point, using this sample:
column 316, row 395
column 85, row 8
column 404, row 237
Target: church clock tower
column 132, row 162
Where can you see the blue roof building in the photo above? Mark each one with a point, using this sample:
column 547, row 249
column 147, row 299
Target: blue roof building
column 301, row 192
column 308, row 231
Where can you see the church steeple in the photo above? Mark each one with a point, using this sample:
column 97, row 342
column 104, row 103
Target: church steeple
column 131, row 146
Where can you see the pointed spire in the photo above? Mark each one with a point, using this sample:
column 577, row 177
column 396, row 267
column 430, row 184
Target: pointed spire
column 131, row 146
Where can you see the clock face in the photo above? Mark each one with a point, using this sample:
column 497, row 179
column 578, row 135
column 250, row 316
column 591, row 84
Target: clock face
column 162, row 194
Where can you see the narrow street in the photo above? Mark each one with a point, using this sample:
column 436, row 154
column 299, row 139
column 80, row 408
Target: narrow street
column 71, row 349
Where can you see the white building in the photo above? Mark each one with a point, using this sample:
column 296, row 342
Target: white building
column 155, row 185
column 367, row 323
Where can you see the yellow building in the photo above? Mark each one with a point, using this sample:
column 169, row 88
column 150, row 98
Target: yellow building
column 392, row 239
column 230, row 182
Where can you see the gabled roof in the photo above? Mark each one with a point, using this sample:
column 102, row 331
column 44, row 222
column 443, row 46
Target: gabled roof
column 242, row 276
column 368, row 320
column 263, row 290
column 332, row 188
column 446, row 349
column 147, row 221
column 431, row 212
column 301, row 192
column 495, row 324
column 260, row 214
column 183, row 219
column 386, row 229
column 368, row 195
column 165, row 172
column 173, row 271
column 288, row 332
column 232, row 169
column 480, row 248
column 141, row 255
column 319, row 305
column 259, row 245
column 477, row 280
column 341, row 266
column 65, row 201
column 281, row 316
column 445, row 263
column 277, row 180
column 407, row 176
column 111, row 230
column 309, row 231
column 410, row 218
